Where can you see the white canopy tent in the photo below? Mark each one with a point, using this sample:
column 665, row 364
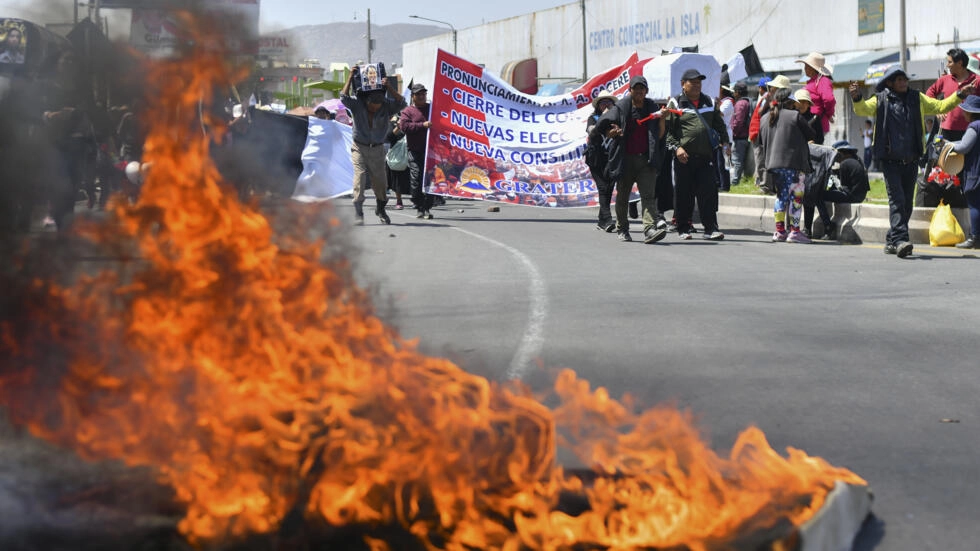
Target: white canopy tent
column 663, row 74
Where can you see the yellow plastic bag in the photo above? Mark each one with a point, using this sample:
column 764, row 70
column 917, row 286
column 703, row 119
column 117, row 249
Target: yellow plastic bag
column 944, row 230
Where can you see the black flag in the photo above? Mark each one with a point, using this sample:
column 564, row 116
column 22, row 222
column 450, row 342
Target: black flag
column 752, row 64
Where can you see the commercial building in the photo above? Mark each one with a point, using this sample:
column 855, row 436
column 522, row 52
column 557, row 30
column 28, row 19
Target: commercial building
column 574, row 40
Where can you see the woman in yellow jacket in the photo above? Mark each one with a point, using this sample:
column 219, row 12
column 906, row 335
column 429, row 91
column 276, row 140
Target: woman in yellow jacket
column 897, row 144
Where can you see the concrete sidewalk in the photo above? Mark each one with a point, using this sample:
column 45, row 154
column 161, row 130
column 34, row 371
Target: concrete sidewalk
column 857, row 223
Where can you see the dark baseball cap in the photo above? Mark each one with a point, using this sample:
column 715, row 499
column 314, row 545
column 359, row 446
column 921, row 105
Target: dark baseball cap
column 639, row 80
column 416, row 88
column 692, row 74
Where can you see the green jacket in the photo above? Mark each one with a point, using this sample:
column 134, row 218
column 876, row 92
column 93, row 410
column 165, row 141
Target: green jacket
column 688, row 132
column 927, row 106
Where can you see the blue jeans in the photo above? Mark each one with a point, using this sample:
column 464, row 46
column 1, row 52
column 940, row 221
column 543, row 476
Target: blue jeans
column 739, row 150
column 973, row 201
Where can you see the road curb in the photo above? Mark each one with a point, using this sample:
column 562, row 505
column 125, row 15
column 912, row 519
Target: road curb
column 858, row 223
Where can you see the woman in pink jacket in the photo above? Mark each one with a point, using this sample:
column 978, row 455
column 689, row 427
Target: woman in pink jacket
column 821, row 88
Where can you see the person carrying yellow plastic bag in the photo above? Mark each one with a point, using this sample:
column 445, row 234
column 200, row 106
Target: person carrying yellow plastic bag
column 971, row 172
column 944, row 230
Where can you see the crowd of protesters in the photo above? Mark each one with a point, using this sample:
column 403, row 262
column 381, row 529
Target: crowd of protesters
column 67, row 147
column 700, row 145
column 678, row 153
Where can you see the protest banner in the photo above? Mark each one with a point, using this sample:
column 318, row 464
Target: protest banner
column 491, row 142
column 327, row 168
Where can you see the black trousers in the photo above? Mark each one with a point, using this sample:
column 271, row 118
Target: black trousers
column 416, row 171
column 900, row 184
column 827, row 196
column 696, row 181
column 605, row 189
column 665, row 185
column 71, row 162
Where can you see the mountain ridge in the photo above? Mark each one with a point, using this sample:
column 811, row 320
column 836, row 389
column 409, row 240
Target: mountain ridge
column 346, row 42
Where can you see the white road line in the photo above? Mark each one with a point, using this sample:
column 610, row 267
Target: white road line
column 532, row 341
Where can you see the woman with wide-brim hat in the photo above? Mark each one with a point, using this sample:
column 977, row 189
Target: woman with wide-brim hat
column 970, row 177
column 821, row 88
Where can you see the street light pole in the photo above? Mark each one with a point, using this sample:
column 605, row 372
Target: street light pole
column 442, row 23
column 902, row 57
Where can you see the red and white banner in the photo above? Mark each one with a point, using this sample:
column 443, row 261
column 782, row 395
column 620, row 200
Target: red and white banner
column 489, row 141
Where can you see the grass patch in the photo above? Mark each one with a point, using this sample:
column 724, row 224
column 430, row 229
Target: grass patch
column 876, row 196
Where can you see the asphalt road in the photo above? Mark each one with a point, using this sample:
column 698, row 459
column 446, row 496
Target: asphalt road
column 844, row 352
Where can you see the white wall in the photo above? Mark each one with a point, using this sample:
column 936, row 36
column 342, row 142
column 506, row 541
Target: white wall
column 781, row 32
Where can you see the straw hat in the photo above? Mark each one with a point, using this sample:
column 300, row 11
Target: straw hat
column 605, row 94
column 817, row 61
column 803, row 95
column 781, row 81
column 950, row 161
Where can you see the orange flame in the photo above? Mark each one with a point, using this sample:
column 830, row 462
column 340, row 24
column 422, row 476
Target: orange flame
column 256, row 380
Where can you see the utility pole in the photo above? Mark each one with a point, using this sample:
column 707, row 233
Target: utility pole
column 369, row 35
column 585, row 46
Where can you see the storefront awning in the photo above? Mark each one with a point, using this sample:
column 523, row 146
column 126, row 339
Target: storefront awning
column 926, row 69
column 857, row 67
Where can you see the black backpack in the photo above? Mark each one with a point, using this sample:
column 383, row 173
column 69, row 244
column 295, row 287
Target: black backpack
column 595, row 154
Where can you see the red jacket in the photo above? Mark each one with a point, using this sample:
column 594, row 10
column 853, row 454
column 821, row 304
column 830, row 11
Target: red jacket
column 943, row 88
column 740, row 120
column 411, row 122
column 761, row 107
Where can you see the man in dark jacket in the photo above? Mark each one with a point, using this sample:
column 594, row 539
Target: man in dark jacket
column 415, row 123
column 898, row 143
column 692, row 137
column 635, row 126
column 740, row 131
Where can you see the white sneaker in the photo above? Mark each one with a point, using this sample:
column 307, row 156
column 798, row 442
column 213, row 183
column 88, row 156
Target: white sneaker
column 797, row 236
column 779, row 236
